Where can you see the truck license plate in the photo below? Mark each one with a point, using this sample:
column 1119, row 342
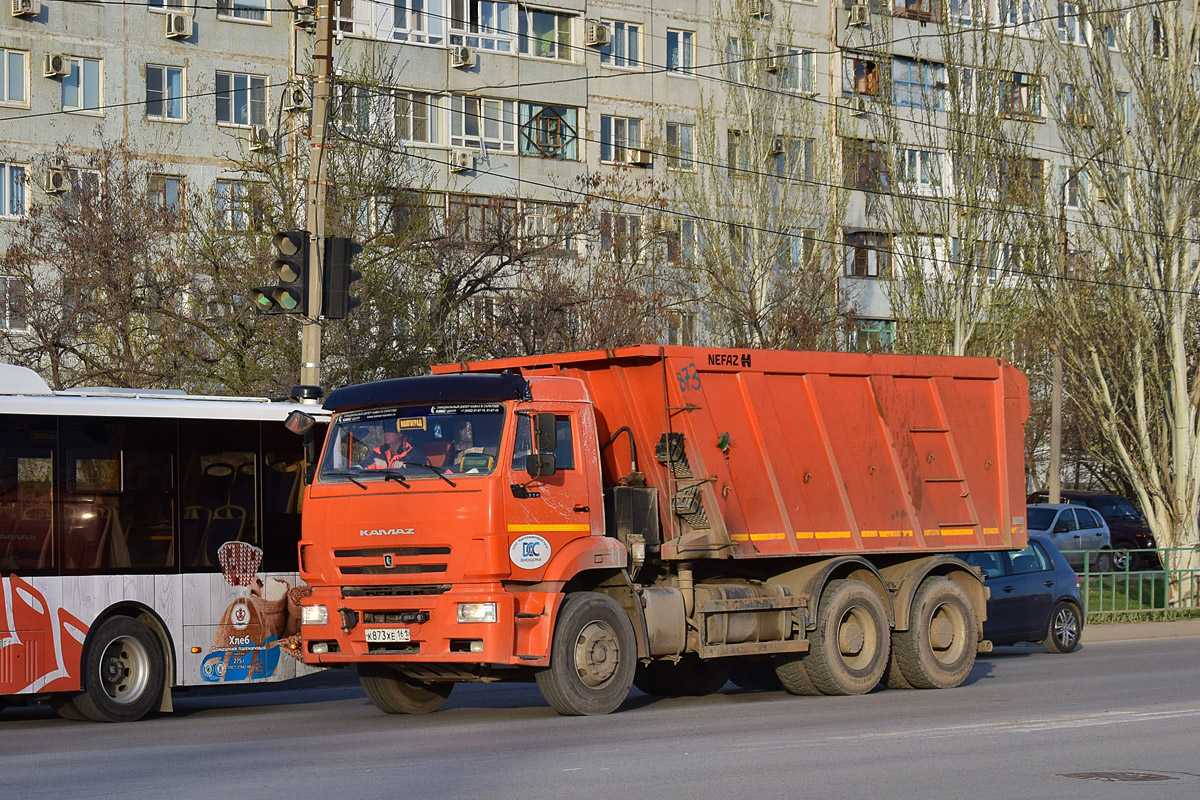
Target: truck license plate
column 377, row 635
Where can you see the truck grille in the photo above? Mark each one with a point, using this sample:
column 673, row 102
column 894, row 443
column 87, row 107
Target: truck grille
column 390, row 561
column 393, row 591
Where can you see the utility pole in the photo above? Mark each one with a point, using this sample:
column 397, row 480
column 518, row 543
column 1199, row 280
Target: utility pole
column 310, row 345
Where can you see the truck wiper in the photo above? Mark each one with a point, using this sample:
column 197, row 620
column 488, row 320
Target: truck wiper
column 394, row 475
column 348, row 475
column 436, row 471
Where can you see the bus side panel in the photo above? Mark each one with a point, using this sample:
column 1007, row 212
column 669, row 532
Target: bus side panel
column 41, row 643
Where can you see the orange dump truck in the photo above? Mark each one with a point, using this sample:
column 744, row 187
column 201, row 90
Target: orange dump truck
column 665, row 517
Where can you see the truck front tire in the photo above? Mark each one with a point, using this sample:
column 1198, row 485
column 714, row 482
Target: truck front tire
column 592, row 659
column 938, row 650
column 395, row 693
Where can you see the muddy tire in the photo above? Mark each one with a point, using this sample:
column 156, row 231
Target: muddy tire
column 938, row 650
column 592, row 659
column 893, row 677
column 1066, row 624
column 849, row 649
column 124, row 671
column 793, row 675
column 392, row 692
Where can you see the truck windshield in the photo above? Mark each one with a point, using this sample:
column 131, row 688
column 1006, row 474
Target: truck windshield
column 451, row 439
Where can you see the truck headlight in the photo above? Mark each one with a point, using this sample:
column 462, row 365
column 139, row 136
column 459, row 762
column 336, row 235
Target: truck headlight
column 476, row 612
column 314, row 615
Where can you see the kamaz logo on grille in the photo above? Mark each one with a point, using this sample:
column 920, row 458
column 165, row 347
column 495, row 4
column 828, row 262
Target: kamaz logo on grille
column 388, row 532
column 388, row 558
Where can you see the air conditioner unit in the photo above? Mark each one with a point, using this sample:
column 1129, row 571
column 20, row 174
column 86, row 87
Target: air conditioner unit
column 462, row 57
column 641, row 158
column 260, row 138
column 462, row 160
column 777, row 145
column 57, row 181
column 26, row 8
column 860, row 16
column 178, row 26
column 858, row 106
column 773, row 63
column 56, row 66
column 295, row 99
column 305, row 18
column 759, row 8
column 596, row 34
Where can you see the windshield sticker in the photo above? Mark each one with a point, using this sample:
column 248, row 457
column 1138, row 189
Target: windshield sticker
column 416, row 424
column 477, row 408
column 529, row 552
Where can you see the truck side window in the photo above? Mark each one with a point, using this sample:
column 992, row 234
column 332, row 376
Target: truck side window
column 564, row 454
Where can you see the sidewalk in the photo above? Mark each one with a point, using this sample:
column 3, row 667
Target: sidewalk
column 1125, row 631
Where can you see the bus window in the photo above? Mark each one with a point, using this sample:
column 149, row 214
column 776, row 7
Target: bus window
column 26, row 494
column 218, row 464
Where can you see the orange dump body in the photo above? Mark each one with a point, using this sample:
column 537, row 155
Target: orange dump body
column 797, row 453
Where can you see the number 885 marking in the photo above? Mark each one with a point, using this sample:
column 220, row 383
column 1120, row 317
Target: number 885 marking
column 688, row 377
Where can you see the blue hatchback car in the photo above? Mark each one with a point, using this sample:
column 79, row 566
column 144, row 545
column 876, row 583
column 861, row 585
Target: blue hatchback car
column 1034, row 596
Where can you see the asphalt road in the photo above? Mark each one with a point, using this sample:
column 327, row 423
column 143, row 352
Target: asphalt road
column 1116, row 719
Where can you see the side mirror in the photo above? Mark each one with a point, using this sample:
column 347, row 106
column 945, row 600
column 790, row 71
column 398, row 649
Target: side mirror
column 545, row 432
column 299, row 423
column 540, row 465
column 303, row 424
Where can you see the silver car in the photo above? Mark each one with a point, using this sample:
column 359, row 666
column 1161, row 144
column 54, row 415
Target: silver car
column 1078, row 531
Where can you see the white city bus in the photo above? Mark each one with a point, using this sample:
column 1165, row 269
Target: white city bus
column 147, row 541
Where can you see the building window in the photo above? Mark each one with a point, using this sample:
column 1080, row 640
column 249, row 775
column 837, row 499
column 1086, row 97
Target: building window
column 1074, row 186
column 12, row 303
column 1115, row 25
column 867, row 254
column 1022, row 180
column 968, row 13
column 1021, row 95
column 239, row 205
column 681, row 242
column 865, row 164
column 478, row 219
column 733, row 59
column 81, row 89
column 549, row 131
column 619, row 135
column 255, row 10
column 354, row 108
column 480, row 122
column 802, row 247
column 420, row 21
column 483, row 24
column 681, row 328
column 795, row 68
column 12, row 194
column 241, row 99
column 549, row 225
column 872, row 336
column 680, row 149
column 681, row 52
column 918, row 84
column 166, row 5
column 737, row 157
column 1072, row 27
column 860, row 75
column 1125, row 104
column 619, row 235
column 164, row 92
column 164, row 193
column 624, row 47
column 418, row 117
column 1017, row 13
column 794, row 158
column 14, row 77
column 544, row 34
column 919, row 171
column 916, row 9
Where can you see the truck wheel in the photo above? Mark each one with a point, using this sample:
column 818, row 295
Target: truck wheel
column 755, row 676
column 849, row 649
column 893, row 677
column 793, row 674
column 123, row 674
column 691, row 675
column 395, row 693
column 1064, row 629
column 592, row 658
column 648, row 681
column 938, row 650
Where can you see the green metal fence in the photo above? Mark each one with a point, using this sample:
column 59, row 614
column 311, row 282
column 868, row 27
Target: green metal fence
column 1152, row 584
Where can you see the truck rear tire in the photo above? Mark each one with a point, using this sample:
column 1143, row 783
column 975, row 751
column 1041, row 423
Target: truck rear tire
column 938, row 650
column 124, row 671
column 592, row 658
column 395, row 693
column 849, row 649
column 793, row 675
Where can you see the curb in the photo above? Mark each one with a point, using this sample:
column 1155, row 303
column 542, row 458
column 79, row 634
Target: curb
column 1131, row 631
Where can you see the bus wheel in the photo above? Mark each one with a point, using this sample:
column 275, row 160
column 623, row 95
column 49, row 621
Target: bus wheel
column 592, row 658
column 938, row 650
column 123, row 674
column 395, row 693
column 849, row 649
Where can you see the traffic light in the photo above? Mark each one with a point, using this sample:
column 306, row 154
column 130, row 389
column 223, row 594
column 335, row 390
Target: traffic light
column 336, row 300
column 290, row 263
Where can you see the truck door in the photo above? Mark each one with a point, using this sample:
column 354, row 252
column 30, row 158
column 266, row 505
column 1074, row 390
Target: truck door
column 558, row 507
